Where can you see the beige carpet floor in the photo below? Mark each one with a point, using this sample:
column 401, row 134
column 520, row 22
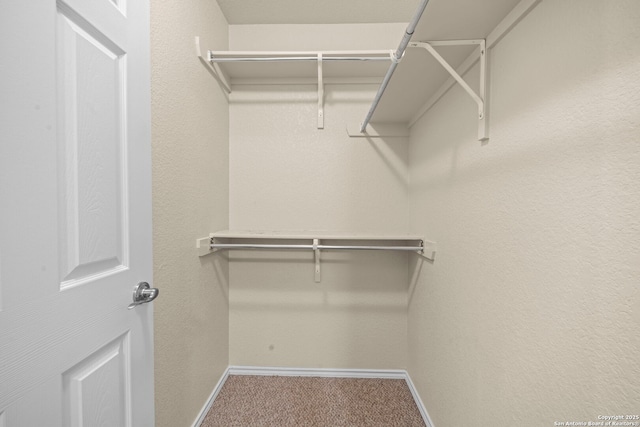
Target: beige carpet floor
column 247, row 400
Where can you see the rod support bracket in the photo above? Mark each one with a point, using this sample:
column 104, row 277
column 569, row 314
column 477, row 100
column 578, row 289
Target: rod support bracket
column 316, row 252
column 211, row 67
column 483, row 122
column 203, row 246
column 320, row 94
column 394, row 58
column 429, row 249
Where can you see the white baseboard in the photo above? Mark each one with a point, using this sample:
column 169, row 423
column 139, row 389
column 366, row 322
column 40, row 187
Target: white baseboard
column 397, row 374
column 212, row 398
column 318, row 372
column 419, row 404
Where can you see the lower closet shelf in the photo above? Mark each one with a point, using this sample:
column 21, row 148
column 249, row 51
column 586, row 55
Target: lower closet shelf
column 317, row 242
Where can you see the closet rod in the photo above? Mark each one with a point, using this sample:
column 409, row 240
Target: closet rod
column 313, row 247
column 274, row 56
column 395, row 59
column 301, row 58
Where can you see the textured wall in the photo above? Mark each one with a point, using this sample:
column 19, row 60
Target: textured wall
column 307, row 37
column 531, row 312
column 190, row 199
column 288, row 175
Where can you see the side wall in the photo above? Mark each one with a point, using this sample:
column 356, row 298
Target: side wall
column 190, row 199
column 286, row 175
column 530, row 313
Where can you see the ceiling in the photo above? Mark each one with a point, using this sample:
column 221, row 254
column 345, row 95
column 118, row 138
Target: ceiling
column 240, row 12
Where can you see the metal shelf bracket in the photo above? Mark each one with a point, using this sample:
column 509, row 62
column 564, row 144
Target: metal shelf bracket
column 481, row 97
column 320, row 95
column 212, row 67
column 317, row 260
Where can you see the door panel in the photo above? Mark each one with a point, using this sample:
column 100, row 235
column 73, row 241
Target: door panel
column 75, row 214
column 92, row 125
column 96, row 391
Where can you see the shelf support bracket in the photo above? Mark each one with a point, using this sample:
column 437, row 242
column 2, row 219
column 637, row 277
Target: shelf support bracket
column 316, row 252
column 320, row 94
column 203, row 246
column 483, row 123
column 211, row 67
column 480, row 99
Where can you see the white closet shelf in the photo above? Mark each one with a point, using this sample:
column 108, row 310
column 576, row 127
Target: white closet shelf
column 243, row 65
column 315, row 241
column 446, row 44
column 306, row 235
column 296, row 67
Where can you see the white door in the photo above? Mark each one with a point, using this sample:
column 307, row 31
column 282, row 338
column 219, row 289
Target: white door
column 75, row 213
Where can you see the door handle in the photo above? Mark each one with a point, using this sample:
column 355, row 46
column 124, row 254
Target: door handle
column 142, row 294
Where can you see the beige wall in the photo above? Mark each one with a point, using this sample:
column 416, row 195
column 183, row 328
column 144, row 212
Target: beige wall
column 310, row 37
column 531, row 312
column 190, row 199
column 288, row 175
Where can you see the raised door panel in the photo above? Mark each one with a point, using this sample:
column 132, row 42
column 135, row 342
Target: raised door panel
column 96, row 391
column 92, row 147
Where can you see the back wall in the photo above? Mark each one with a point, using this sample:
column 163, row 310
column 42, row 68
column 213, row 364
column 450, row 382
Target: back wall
column 287, row 175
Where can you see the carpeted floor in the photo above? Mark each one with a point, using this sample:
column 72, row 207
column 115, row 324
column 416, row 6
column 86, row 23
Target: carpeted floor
column 247, row 400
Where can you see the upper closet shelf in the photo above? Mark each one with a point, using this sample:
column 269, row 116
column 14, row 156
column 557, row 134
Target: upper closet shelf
column 296, row 64
column 447, row 44
column 302, row 66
